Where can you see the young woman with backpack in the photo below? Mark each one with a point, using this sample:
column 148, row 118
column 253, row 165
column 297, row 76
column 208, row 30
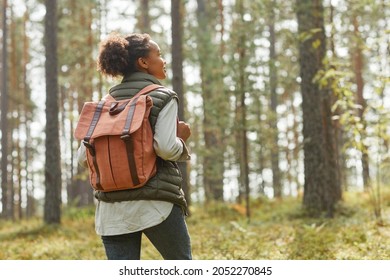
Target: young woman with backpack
column 158, row 208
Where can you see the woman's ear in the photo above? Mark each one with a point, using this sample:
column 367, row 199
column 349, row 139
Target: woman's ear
column 142, row 63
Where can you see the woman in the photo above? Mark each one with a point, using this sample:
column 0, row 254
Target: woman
column 158, row 208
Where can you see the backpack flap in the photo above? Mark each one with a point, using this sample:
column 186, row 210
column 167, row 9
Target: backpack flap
column 143, row 106
column 85, row 119
column 112, row 124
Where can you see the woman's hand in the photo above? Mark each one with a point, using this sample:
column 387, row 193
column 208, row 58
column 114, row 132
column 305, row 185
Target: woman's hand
column 183, row 130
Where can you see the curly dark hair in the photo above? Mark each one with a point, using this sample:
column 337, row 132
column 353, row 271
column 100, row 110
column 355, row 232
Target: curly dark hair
column 118, row 54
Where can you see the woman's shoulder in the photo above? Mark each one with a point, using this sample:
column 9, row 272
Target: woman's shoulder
column 165, row 94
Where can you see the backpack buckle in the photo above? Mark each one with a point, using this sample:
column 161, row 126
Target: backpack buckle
column 90, row 148
column 125, row 137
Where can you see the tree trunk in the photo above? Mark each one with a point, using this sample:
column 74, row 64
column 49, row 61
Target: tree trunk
column 177, row 10
column 338, row 128
column 52, row 211
column 212, row 93
column 4, row 118
column 274, row 103
column 261, row 143
column 143, row 23
column 14, row 109
column 357, row 64
column 242, row 110
column 27, row 111
column 322, row 187
column 25, row 114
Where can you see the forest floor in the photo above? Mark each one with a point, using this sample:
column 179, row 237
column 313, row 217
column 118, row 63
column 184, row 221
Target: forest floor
column 278, row 230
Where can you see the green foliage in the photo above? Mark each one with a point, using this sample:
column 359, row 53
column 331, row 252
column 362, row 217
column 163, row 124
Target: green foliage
column 319, row 243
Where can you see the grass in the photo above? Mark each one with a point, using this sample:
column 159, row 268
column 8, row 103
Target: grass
column 278, row 230
column 30, row 239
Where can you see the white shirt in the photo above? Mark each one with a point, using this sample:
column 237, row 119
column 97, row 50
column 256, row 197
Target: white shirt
column 132, row 216
column 129, row 216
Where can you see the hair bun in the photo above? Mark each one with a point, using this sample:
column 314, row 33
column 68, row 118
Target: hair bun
column 113, row 57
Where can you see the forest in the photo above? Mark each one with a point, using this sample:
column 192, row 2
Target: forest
column 289, row 108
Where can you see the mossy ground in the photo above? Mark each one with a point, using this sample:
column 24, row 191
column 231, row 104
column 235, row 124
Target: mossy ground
column 277, row 230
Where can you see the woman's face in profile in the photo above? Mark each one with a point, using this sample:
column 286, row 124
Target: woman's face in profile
column 154, row 64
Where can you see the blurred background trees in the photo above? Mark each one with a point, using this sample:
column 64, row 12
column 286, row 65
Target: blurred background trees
column 284, row 98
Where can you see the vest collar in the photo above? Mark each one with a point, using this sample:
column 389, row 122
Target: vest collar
column 140, row 77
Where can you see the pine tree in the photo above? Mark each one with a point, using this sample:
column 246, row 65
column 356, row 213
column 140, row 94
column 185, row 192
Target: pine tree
column 322, row 187
column 4, row 117
column 177, row 11
column 213, row 101
column 52, row 210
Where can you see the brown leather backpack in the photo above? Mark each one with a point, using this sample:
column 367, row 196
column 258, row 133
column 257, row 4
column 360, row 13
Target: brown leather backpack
column 119, row 141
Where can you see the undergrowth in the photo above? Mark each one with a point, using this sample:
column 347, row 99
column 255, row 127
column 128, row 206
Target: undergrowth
column 277, row 230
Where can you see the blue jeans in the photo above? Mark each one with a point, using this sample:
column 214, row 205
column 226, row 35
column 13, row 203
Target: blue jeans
column 170, row 238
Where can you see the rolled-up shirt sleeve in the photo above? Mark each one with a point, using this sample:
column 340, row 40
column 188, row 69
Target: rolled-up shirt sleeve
column 166, row 143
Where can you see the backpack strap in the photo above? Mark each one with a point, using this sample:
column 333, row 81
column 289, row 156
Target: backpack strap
column 91, row 147
column 127, row 138
column 134, row 100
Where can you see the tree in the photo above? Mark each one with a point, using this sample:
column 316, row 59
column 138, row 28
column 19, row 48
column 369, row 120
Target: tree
column 276, row 180
column 143, row 22
column 322, row 187
column 358, row 65
column 52, row 211
column 177, row 10
column 241, row 107
column 4, row 118
column 213, row 102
